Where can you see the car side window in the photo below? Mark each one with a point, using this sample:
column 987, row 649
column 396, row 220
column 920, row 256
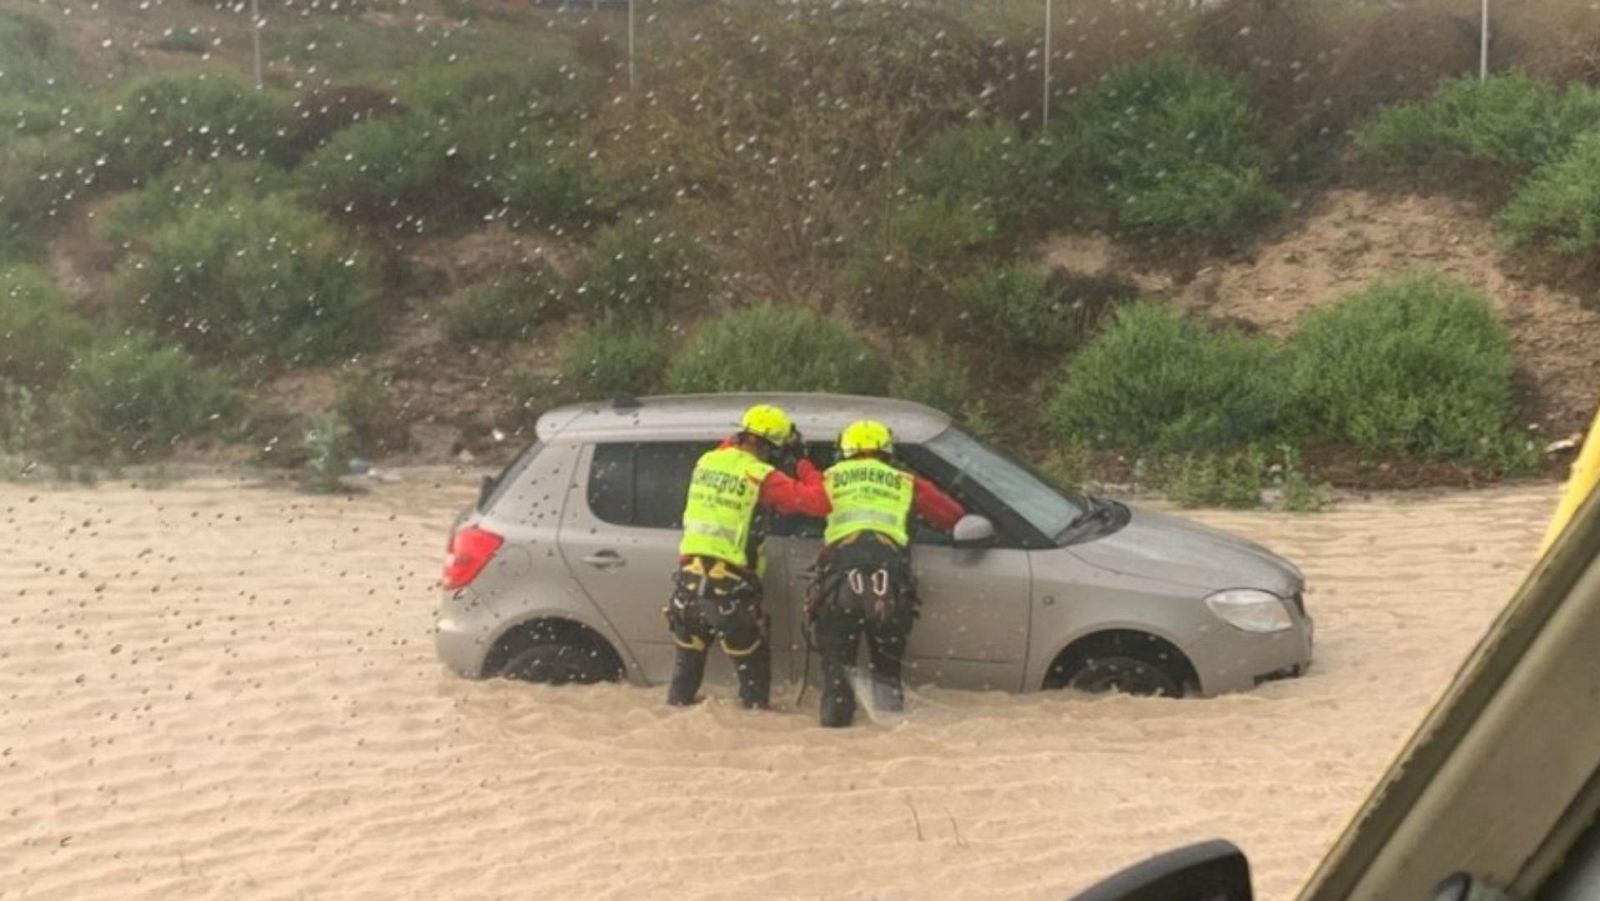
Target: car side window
column 611, row 483
column 642, row 484
column 661, row 475
column 972, row 497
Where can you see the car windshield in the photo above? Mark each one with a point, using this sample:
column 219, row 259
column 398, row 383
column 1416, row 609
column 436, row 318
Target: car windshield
column 1046, row 507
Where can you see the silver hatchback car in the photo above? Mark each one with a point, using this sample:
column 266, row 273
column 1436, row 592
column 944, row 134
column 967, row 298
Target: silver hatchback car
column 560, row 571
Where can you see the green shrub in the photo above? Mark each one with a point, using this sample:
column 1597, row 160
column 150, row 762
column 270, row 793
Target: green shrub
column 322, row 112
column 1016, row 302
column 365, row 403
column 504, row 309
column 473, row 139
column 262, row 276
column 1233, row 481
column 160, row 120
column 39, row 176
column 615, row 357
column 1068, row 465
column 33, row 61
column 551, row 188
column 1559, row 207
column 372, row 166
column 770, row 348
column 1417, row 364
column 176, row 41
column 1155, row 380
column 902, row 269
column 934, row 375
column 640, row 267
column 928, row 231
column 133, row 397
column 329, row 443
column 185, row 187
column 39, row 334
column 19, row 427
column 991, row 168
column 530, row 89
column 342, row 48
column 1511, row 120
column 1298, row 491
column 23, row 117
column 1176, row 148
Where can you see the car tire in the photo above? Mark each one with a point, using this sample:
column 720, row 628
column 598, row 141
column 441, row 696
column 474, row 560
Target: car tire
column 555, row 662
column 1128, row 672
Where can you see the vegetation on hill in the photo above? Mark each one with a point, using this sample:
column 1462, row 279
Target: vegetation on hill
column 823, row 197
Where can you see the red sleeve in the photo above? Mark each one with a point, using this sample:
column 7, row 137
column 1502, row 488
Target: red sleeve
column 803, row 495
column 940, row 510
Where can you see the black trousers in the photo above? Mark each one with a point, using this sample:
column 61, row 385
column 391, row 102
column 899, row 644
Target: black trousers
column 713, row 602
column 865, row 592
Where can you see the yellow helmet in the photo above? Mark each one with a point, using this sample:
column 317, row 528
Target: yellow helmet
column 865, row 436
column 767, row 422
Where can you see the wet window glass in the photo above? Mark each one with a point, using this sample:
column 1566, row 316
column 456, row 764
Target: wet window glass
column 661, row 482
column 611, row 483
column 1012, row 483
column 642, row 484
column 1290, row 307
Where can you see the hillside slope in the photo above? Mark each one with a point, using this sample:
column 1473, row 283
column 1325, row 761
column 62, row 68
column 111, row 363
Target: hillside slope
column 1347, row 237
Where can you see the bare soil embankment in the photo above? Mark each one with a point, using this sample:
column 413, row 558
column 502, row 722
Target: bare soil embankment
column 223, row 690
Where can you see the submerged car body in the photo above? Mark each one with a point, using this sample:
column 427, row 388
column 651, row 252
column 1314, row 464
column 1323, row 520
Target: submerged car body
column 561, row 569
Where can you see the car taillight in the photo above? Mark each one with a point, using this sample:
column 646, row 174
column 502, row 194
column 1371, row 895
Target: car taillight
column 470, row 551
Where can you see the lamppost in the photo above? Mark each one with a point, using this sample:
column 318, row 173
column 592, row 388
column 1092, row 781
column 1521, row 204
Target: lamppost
column 1046, row 111
column 1483, row 44
column 255, row 37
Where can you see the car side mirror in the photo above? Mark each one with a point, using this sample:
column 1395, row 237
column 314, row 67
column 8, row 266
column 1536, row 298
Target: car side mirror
column 1209, row 871
column 973, row 530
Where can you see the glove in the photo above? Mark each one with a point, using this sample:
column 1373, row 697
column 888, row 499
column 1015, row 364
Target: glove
column 792, row 452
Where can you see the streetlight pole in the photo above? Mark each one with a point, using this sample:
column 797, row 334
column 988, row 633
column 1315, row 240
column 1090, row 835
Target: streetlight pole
column 1483, row 44
column 1045, row 113
column 255, row 37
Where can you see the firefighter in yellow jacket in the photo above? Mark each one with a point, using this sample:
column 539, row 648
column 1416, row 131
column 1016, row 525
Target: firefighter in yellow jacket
column 864, row 587
column 717, row 590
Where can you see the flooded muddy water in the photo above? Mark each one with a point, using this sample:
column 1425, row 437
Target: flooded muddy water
column 224, row 690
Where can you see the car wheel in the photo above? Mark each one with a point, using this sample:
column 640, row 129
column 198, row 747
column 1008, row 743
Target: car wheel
column 560, row 663
column 1128, row 673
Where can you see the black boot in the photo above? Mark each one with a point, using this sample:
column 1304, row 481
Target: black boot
column 885, row 652
column 888, row 696
column 688, row 671
column 836, row 642
column 755, row 677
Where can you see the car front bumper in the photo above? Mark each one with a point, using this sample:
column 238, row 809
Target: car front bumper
column 1227, row 659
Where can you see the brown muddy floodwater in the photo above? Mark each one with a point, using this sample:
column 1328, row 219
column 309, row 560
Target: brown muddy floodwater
column 220, row 690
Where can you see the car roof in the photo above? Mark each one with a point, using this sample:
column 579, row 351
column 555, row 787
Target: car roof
column 693, row 417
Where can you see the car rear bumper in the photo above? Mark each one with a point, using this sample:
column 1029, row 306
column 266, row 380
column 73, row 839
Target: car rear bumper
column 463, row 636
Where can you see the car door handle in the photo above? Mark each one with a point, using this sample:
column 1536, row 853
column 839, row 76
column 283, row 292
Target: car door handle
column 605, row 560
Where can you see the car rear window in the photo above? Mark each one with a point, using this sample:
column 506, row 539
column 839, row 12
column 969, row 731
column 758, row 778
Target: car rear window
column 642, row 484
column 507, row 477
